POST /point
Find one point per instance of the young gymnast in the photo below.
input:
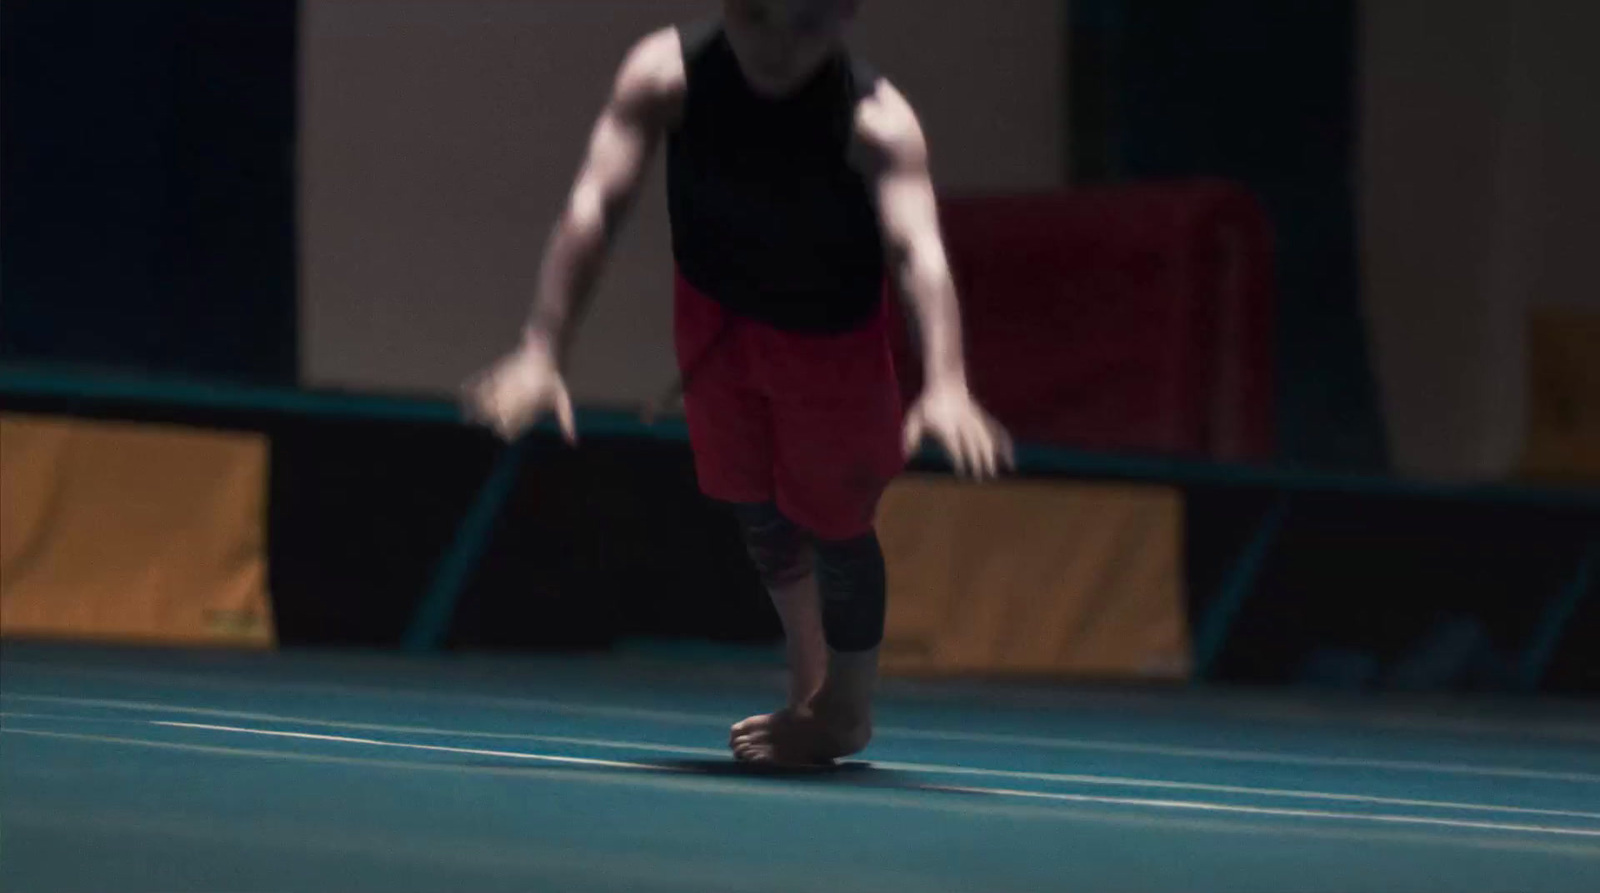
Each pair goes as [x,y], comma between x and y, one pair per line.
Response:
[798,190]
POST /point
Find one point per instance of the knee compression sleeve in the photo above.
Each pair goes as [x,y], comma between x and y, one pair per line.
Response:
[853,582]
[777,547]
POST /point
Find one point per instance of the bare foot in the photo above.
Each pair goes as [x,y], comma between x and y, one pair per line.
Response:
[836,723]
[798,737]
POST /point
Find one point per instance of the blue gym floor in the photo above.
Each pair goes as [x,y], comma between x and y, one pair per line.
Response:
[147,770]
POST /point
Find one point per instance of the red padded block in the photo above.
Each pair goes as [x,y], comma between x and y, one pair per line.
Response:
[1134,318]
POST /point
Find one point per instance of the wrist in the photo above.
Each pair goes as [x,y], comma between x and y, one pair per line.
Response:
[539,342]
[944,380]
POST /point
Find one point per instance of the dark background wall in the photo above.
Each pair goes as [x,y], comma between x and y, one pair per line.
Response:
[1263,94]
[147,182]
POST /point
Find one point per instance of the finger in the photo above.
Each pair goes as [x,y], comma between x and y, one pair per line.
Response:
[564,415]
[955,446]
[960,457]
[498,412]
[976,460]
[955,450]
[501,424]
[484,411]
[513,421]
[1008,448]
[973,451]
[984,442]
[510,418]
[914,432]
[994,439]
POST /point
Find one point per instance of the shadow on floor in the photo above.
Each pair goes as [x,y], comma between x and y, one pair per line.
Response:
[853,773]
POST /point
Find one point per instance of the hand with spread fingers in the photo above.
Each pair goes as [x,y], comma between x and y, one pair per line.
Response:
[977,445]
[512,395]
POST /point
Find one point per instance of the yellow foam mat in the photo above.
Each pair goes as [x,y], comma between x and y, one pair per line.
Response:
[117,531]
[1028,577]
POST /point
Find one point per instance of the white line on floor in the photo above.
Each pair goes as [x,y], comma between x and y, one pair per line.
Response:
[1271,810]
[923,768]
[1252,756]
[1219,703]
[1137,802]
[888,733]
[967,807]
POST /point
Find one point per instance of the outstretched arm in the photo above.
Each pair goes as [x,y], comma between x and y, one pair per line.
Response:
[642,104]
[515,392]
[896,150]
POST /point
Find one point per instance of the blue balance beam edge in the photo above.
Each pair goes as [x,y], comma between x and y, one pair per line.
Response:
[1032,459]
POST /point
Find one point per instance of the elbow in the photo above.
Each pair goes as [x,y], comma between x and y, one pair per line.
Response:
[585,212]
[586,222]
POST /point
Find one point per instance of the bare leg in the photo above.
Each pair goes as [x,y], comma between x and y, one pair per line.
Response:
[837,719]
[830,690]
[844,705]
[800,610]
[783,558]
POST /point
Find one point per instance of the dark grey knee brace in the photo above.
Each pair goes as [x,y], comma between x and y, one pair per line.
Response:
[780,551]
[854,584]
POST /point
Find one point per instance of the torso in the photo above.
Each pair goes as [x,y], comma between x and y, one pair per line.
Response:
[771,216]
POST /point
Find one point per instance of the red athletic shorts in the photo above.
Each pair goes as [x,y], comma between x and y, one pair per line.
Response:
[808,422]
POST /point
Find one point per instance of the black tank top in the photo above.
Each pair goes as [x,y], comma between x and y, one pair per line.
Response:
[769,218]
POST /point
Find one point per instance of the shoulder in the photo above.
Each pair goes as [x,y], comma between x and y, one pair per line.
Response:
[887,128]
[651,78]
